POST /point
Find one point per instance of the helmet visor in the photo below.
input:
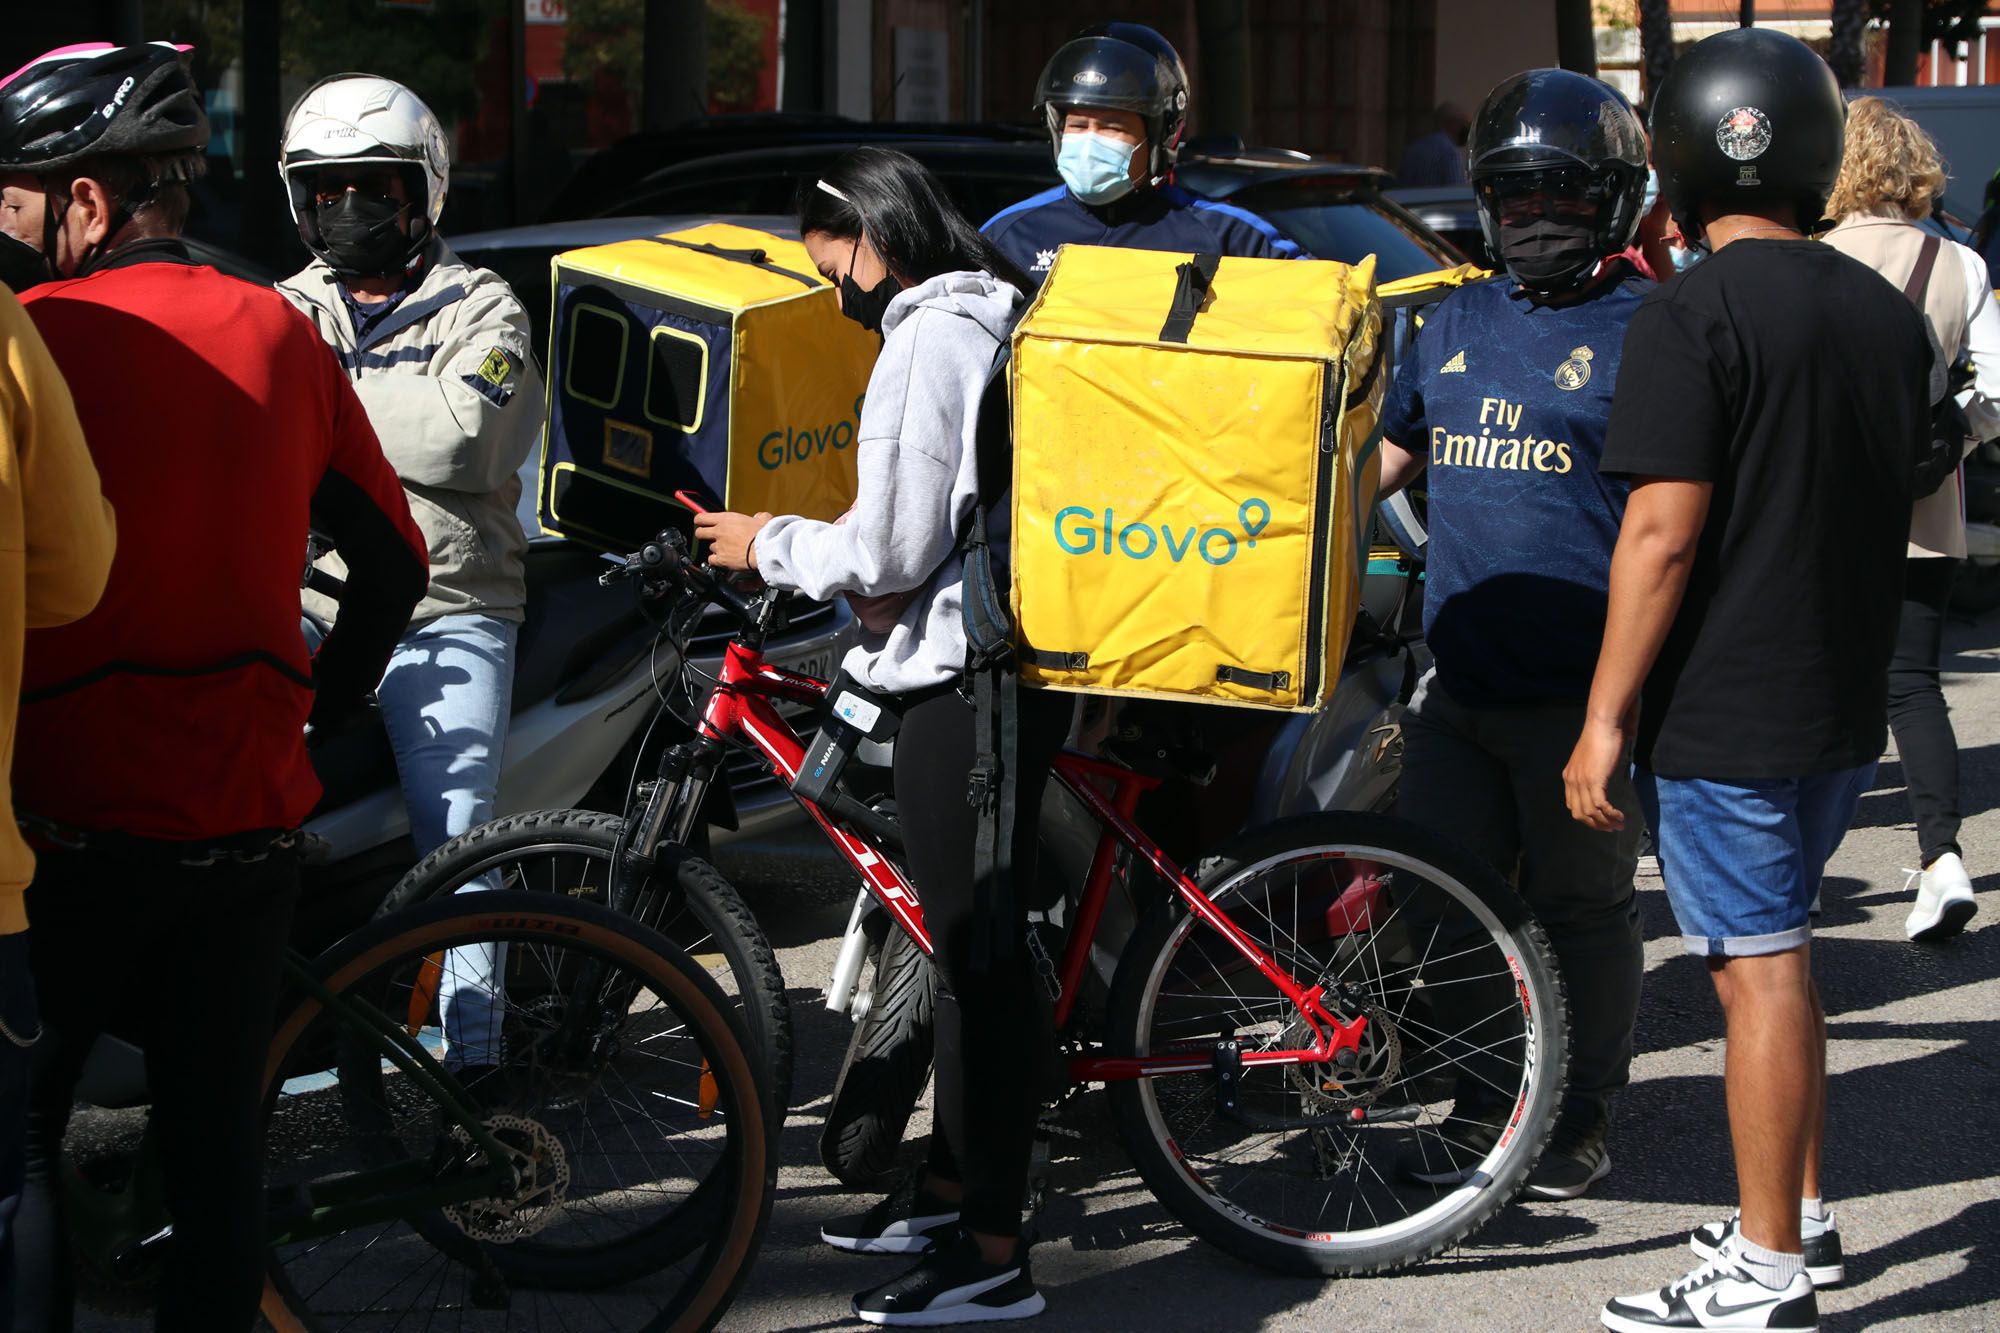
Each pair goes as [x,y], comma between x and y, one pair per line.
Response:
[1105,72]
[1520,197]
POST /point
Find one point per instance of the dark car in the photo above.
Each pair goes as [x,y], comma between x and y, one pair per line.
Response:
[1451,212]
[1335,211]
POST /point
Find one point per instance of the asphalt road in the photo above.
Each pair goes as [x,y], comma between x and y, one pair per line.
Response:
[1913,1154]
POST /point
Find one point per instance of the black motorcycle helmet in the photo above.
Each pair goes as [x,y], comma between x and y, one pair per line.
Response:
[1567,127]
[1119,67]
[1749,116]
[100,100]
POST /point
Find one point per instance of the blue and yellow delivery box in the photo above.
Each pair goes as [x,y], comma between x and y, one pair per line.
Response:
[713,360]
[1195,465]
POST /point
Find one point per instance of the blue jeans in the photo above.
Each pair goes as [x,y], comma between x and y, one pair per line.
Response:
[20,1029]
[1742,860]
[444,702]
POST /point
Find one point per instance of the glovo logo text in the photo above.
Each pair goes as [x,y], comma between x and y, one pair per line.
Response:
[1084,531]
[802,444]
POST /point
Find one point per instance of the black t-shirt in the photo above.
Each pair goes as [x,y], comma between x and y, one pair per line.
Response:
[1796,380]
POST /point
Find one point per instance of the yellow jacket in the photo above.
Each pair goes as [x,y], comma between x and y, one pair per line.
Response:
[56,540]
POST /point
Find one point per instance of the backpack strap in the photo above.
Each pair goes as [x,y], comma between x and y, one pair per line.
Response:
[994,783]
[1920,276]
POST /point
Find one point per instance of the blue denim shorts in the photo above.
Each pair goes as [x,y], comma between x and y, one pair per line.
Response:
[1742,860]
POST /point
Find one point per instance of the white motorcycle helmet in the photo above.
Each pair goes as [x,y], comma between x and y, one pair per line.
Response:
[360,119]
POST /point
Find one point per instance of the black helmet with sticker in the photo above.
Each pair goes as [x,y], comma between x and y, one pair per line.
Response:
[1748,117]
[1119,67]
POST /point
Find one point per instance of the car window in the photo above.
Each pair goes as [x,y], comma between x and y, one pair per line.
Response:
[1338,225]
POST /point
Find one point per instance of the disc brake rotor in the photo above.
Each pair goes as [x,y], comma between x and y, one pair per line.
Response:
[541,1168]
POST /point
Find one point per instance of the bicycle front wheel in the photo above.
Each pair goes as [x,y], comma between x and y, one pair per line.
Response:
[686,899]
[1317,1169]
[638,1135]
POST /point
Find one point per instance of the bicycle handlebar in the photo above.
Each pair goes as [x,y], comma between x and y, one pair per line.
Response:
[665,561]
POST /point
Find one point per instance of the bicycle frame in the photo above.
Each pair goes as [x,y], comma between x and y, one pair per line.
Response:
[742,706]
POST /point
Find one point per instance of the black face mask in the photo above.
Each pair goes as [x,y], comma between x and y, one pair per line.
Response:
[21,265]
[1549,254]
[866,306]
[361,235]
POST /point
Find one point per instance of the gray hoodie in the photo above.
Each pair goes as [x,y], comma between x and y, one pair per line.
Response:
[918,479]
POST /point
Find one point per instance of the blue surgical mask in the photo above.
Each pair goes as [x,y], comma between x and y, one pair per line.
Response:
[1685,257]
[1097,169]
[1652,192]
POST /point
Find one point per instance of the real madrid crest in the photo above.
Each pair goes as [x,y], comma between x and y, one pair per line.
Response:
[1574,373]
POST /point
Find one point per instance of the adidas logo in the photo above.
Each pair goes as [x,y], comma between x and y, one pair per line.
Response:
[1455,366]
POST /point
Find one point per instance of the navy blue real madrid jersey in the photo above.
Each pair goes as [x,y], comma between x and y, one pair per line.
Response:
[1508,400]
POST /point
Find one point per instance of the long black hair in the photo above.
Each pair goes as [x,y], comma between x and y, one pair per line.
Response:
[907,216]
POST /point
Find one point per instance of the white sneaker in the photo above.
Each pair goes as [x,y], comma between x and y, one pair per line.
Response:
[1944,900]
[1721,1294]
[1825,1264]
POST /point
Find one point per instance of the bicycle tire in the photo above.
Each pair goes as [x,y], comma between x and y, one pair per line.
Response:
[727,1229]
[1415,873]
[716,910]
[885,1070]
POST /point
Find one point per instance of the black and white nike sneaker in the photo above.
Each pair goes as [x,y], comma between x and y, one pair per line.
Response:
[953,1285]
[907,1222]
[1825,1264]
[1721,1294]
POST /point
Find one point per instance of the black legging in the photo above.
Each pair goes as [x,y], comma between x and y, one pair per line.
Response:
[1917,711]
[987,1039]
[187,962]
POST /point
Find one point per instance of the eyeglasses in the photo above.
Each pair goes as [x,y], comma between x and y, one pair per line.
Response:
[329,186]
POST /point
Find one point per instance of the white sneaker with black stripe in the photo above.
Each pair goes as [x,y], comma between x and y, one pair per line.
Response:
[953,1285]
[1721,1294]
[907,1222]
[1825,1264]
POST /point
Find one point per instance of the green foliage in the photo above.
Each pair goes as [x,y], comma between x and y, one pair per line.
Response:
[607,37]
[434,50]
[735,55]
[213,27]
[1944,20]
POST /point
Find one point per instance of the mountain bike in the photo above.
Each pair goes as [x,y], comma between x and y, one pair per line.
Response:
[1330,1008]
[613,1170]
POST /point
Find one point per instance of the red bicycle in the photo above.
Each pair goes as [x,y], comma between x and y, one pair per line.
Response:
[1338,1047]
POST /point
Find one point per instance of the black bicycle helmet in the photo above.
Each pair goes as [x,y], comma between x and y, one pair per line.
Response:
[1556,120]
[1119,67]
[99,100]
[1749,116]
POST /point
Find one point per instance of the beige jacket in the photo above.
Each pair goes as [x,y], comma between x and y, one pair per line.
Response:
[453,394]
[1959,303]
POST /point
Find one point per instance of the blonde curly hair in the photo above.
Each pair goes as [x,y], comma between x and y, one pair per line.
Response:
[1888,160]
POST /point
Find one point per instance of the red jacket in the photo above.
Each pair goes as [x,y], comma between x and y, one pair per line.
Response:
[221,425]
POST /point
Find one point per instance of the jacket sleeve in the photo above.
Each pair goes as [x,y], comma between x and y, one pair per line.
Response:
[69,534]
[1981,401]
[359,504]
[901,528]
[467,422]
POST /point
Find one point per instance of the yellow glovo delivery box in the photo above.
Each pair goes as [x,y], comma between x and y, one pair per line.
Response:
[713,360]
[1195,462]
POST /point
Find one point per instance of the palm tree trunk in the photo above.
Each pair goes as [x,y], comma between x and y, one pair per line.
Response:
[1656,42]
[1906,36]
[1850,18]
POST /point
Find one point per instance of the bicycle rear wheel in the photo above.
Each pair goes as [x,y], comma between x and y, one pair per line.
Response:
[1461,1062]
[639,1134]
